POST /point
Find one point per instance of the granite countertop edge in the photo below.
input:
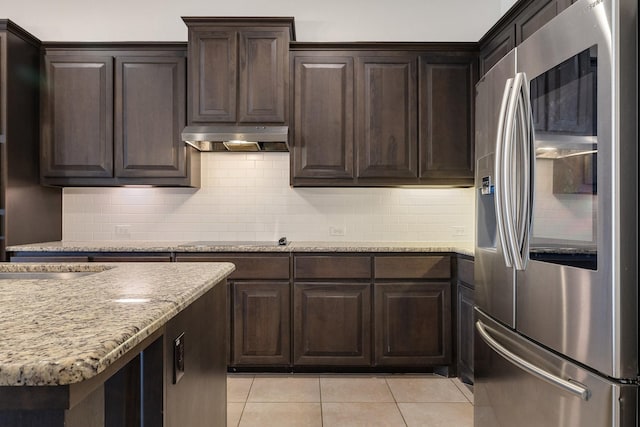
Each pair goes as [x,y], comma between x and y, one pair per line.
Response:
[463,248]
[35,367]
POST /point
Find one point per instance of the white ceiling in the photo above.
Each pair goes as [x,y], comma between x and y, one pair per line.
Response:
[316,20]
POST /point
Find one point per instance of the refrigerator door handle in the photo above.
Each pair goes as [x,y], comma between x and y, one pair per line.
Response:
[570,386]
[523,188]
[509,172]
[500,183]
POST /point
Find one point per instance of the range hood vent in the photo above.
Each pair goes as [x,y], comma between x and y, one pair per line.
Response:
[237,138]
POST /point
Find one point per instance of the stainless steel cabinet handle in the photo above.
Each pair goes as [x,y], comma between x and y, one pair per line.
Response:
[572,387]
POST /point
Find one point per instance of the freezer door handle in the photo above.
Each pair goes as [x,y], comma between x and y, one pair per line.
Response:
[571,386]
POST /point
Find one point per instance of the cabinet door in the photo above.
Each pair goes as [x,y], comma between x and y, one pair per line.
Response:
[387,114]
[465,333]
[538,13]
[332,323]
[323,128]
[446,119]
[261,329]
[213,59]
[412,324]
[497,47]
[150,115]
[77,124]
[263,89]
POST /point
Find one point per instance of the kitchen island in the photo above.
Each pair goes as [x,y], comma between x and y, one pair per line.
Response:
[112,344]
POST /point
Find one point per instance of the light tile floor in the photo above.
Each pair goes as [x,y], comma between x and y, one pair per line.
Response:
[347,400]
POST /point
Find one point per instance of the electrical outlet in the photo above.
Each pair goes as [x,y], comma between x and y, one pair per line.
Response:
[123,231]
[458,231]
[337,231]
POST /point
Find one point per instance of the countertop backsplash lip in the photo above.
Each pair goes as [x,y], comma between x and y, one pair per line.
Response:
[462,248]
[37,313]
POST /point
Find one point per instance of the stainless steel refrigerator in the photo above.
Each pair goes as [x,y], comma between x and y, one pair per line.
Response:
[556,317]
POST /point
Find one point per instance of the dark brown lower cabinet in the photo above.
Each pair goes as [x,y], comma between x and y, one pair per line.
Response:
[412,324]
[261,322]
[332,323]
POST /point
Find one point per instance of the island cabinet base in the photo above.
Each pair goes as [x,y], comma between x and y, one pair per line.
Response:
[146,383]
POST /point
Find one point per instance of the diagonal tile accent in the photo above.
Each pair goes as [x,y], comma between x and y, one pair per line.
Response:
[238,388]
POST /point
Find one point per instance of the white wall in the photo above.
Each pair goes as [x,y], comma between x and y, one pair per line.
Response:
[327,20]
[247,197]
[505,5]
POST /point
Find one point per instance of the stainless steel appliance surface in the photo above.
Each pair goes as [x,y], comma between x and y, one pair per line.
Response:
[557,236]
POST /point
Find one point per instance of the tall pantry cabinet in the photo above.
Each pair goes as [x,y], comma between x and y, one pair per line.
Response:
[29,213]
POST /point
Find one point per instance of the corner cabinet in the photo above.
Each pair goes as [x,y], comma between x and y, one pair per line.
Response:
[239,70]
[112,115]
[382,114]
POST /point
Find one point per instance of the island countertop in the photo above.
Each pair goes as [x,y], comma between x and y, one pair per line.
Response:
[63,331]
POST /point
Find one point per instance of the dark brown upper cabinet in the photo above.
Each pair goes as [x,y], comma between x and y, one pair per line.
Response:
[382,114]
[323,118]
[112,115]
[446,118]
[238,69]
[387,115]
[77,122]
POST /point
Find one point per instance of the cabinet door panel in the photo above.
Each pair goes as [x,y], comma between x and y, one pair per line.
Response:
[535,16]
[213,69]
[497,48]
[150,115]
[446,112]
[323,117]
[412,324]
[77,128]
[387,117]
[260,323]
[263,64]
[332,324]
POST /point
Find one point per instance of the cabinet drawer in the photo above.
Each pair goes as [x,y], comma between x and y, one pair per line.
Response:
[412,267]
[332,267]
[465,271]
[52,258]
[247,267]
[132,258]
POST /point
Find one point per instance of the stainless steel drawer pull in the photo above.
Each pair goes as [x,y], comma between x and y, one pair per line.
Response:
[567,385]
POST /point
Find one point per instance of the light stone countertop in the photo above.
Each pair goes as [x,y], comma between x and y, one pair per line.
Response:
[63,331]
[463,248]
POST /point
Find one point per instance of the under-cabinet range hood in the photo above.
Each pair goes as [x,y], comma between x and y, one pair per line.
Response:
[237,138]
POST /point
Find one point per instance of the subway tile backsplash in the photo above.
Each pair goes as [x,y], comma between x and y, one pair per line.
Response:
[248,197]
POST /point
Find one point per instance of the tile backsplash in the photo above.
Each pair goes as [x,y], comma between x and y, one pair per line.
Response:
[248,197]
